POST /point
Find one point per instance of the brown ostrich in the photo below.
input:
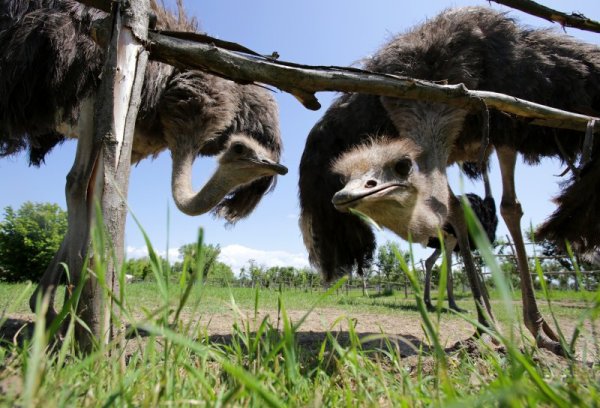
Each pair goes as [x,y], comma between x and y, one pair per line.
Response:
[482,49]
[485,211]
[49,70]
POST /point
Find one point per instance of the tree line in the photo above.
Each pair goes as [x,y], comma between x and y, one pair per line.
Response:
[31,235]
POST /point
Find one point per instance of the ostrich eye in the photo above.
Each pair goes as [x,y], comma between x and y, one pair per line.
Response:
[238,148]
[403,167]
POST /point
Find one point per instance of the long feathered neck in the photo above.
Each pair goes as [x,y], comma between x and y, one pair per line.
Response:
[211,194]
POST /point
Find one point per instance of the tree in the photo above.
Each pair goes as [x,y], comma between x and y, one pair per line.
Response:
[29,238]
[388,263]
[213,270]
[243,278]
[256,272]
[221,274]
[140,268]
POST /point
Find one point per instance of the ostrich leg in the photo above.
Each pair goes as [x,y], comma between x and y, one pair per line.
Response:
[49,282]
[428,267]
[458,222]
[449,245]
[79,206]
[511,211]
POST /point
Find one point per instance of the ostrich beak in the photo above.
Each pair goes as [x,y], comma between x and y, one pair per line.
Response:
[357,190]
[270,165]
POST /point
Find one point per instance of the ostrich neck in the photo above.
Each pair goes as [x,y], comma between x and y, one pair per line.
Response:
[188,201]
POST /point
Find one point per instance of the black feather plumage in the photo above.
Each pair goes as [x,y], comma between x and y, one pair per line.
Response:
[49,64]
[483,49]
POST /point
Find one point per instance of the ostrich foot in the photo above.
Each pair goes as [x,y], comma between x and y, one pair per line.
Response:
[545,337]
[430,307]
[480,336]
[472,343]
[454,306]
[485,338]
[554,346]
[51,313]
[549,332]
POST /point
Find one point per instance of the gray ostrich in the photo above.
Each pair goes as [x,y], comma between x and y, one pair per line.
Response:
[49,71]
[387,165]
[482,49]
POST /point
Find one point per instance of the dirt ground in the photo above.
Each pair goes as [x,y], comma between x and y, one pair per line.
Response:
[404,332]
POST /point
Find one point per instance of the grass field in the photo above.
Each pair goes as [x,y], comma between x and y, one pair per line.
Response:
[246,347]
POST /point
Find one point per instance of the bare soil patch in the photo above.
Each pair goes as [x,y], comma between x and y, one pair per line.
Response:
[375,330]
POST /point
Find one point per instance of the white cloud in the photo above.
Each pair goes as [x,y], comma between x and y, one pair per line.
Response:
[238,256]
[134,252]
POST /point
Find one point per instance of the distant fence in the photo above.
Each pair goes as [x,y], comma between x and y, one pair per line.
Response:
[560,280]
[588,280]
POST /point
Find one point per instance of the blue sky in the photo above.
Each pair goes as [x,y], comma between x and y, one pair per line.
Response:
[333,32]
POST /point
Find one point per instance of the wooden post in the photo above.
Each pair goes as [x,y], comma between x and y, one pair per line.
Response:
[116,107]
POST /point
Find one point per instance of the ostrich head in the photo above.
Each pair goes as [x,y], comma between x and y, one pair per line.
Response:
[247,160]
[204,115]
[242,162]
[383,181]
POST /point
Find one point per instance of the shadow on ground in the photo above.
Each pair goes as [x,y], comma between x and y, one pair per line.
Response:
[312,341]
[17,331]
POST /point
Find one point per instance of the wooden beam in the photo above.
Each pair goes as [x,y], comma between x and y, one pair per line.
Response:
[303,81]
[238,63]
[575,20]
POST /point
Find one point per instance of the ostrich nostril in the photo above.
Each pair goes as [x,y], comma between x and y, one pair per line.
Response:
[370,184]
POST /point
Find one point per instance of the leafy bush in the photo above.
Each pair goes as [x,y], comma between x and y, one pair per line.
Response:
[29,238]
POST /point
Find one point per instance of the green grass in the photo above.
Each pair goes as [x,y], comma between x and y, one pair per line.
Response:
[172,360]
[142,296]
[260,365]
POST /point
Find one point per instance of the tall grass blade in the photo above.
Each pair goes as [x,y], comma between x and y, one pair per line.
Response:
[14,302]
[443,278]
[34,373]
[484,246]
[325,295]
[202,265]
[154,262]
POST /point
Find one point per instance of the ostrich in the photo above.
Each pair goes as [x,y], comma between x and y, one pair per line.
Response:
[388,166]
[49,70]
[485,211]
[483,49]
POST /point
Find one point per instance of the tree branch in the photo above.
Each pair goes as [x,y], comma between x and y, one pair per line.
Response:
[575,20]
[238,63]
[303,81]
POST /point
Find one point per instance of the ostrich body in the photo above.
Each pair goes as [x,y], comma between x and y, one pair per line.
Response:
[485,211]
[189,112]
[485,50]
[49,72]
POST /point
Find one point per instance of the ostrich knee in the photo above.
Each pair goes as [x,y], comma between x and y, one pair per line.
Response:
[511,212]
